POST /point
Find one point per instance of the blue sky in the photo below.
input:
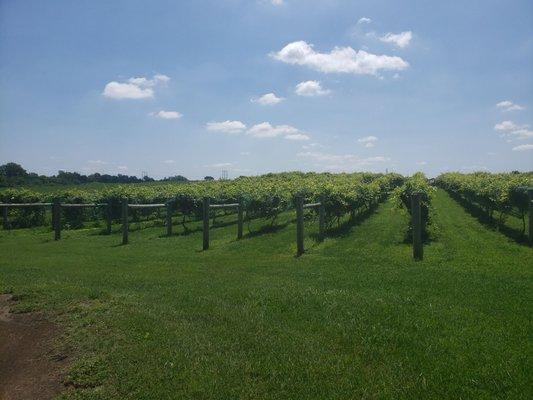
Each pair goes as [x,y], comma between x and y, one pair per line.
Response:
[256,86]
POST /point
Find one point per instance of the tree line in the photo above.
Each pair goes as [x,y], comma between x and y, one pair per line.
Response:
[13,174]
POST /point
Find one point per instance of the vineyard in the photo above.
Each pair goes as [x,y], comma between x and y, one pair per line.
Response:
[397,276]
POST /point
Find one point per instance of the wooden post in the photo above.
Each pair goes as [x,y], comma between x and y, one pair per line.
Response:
[239,219]
[530,210]
[206,223]
[299,225]
[108,217]
[416,221]
[125,221]
[169,218]
[321,218]
[56,218]
[5,218]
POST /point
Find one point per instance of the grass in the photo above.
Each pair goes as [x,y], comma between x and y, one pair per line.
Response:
[355,317]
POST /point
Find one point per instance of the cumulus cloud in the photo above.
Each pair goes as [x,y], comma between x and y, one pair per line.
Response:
[523,147]
[509,106]
[134,88]
[401,39]
[167,114]
[364,20]
[268,99]
[513,131]
[310,89]
[277,2]
[339,60]
[169,162]
[122,168]
[297,136]
[368,141]
[231,127]
[266,130]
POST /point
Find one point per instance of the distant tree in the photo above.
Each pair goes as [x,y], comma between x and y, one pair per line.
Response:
[177,178]
[209,178]
[12,174]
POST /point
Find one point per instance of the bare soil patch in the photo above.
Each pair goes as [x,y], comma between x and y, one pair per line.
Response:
[29,368]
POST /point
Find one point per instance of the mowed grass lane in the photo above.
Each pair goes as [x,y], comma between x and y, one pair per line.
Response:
[354,317]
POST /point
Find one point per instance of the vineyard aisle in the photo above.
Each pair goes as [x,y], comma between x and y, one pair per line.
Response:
[354,317]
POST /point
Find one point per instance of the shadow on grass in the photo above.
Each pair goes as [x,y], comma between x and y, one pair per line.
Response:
[345,228]
[477,212]
[265,229]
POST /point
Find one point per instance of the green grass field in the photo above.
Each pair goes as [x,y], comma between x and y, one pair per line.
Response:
[353,318]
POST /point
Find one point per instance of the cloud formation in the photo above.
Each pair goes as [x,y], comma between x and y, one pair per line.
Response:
[310,89]
[231,127]
[511,130]
[167,114]
[364,20]
[508,105]
[266,130]
[523,147]
[368,141]
[268,99]
[339,60]
[401,39]
[134,88]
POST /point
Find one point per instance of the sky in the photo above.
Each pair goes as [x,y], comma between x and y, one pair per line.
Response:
[257,86]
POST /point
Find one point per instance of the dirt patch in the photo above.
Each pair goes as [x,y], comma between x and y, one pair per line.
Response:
[29,369]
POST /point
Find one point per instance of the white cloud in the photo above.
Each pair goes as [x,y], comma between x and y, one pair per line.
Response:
[310,89]
[513,131]
[268,99]
[277,2]
[169,162]
[297,136]
[509,106]
[266,130]
[167,114]
[231,127]
[116,90]
[122,168]
[97,162]
[401,39]
[134,88]
[245,153]
[339,60]
[523,147]
[368,141]
[364,20]
[422,163]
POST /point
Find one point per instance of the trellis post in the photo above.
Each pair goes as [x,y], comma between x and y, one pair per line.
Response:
[239,219]
[206,223]
[169,218]
[299,225]
[108,215]
[416,222]
[5,219]
[321,219]
[530,212]
[56,218]
[124,221]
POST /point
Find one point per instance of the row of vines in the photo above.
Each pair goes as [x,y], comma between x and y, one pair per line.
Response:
[498,195]
[264,196]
